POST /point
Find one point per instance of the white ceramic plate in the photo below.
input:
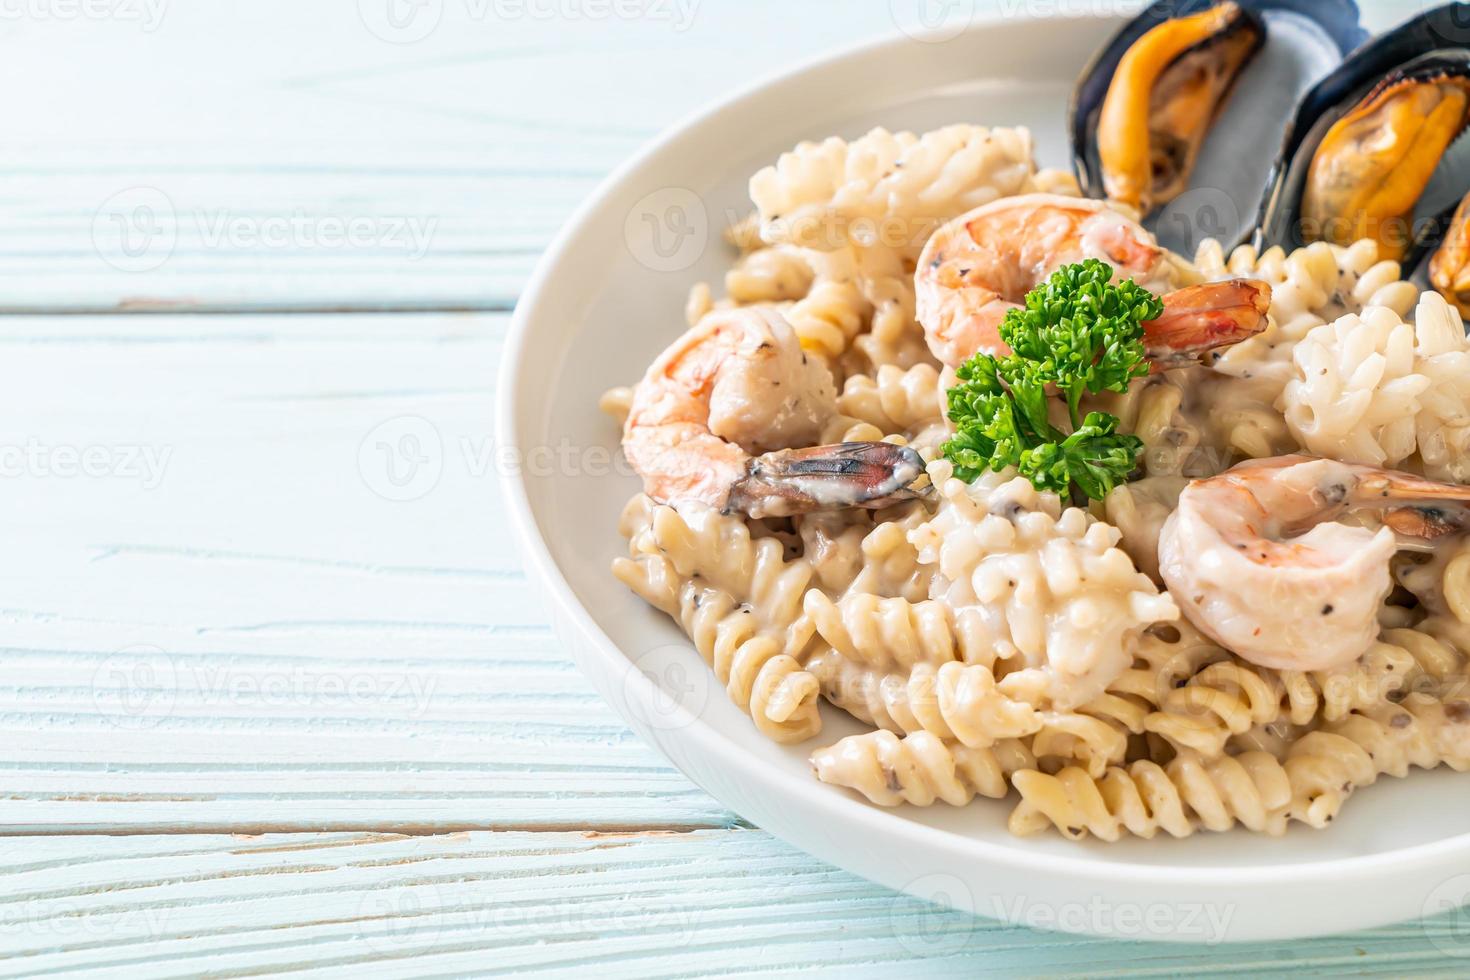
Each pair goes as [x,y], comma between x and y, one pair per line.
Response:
[605,300]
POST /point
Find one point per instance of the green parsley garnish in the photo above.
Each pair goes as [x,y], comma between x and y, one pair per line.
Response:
[1080,334]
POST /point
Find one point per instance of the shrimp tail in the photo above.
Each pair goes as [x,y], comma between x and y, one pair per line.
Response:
[1396,485]
[849,474]
[1202,318]
[1435,509]
[1425,523]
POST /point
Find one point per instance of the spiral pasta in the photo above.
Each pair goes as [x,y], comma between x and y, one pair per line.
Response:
[1377,389]
[866,558]
[963,702]
[699,543]
[1230,697]
[906,667]
[1454,584]
[1251,789]
[771,275]
[738,599]
[1310,287]
[828,317]
[1440,646]
[888,633]
[954,701]
[894,337]
[1442,425]
[889,188]
[1326,767]
[1073,737]
[895,400]
[1138,510]
[1046,589]
[1152,410]
[1224,699]
[772,686]
[919,769]
[1356,393]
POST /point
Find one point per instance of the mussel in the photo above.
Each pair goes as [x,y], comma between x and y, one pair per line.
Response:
[1449,263]
[1372,140]
[1440,255]
[1167,90]
[1373,164]
[1186,94]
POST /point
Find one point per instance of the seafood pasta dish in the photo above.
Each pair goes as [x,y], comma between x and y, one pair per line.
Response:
[1145,536]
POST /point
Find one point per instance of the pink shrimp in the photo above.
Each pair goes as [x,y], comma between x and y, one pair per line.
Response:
[736,385]
[982,264]
[1260,559]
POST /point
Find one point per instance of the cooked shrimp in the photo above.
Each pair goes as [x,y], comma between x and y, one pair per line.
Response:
[1261,560]
[738,384]
[1202,318]
[982,264]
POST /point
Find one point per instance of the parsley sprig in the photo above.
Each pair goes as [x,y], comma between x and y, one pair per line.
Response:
[1078,334]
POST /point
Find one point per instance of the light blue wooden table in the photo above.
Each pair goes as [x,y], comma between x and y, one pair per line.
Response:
[269,705]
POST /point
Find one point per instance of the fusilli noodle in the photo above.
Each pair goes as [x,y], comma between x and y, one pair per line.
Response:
[888,188]
[952,700]
[1045,588]
[895,400]
[739,601]
[919,768]
[1144,798]
[1321,770]
[1310,286]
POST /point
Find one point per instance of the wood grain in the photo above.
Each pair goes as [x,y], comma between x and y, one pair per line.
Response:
[253,132]
[262,640]
[651,904]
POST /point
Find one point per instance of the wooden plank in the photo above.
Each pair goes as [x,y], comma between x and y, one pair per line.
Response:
[241,188]
[255,636]
[705,903]
[308,163]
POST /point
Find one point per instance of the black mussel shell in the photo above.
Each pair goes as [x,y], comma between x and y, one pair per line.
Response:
[1435,43]
[1304,40]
